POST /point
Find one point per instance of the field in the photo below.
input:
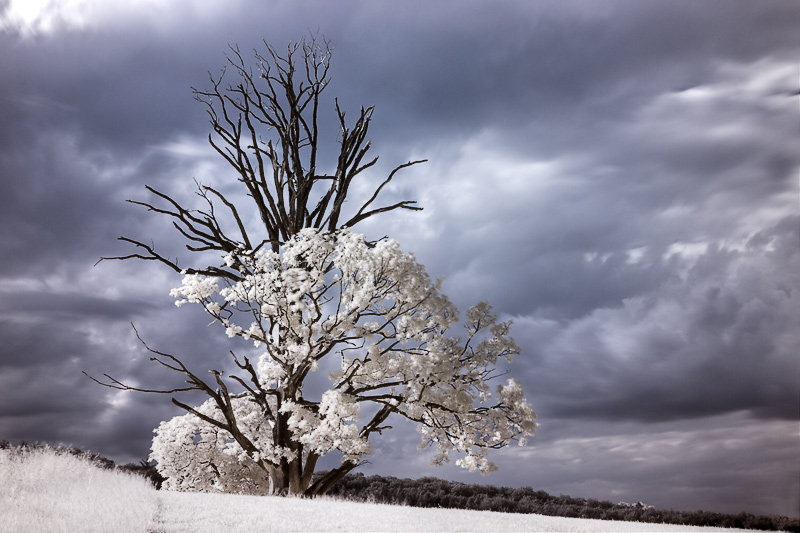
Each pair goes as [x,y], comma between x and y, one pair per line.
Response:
[45,492]
[207,513]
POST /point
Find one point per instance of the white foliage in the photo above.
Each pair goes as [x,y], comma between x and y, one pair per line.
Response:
[332,428]
[197,456]
[376,309]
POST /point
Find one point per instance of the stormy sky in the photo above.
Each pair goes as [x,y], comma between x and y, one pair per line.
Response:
[620,178]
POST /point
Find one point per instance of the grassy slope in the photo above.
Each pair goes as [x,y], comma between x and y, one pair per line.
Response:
[45,492]
[207,513]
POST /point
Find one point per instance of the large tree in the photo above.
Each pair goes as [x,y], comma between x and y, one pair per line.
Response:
[307,291]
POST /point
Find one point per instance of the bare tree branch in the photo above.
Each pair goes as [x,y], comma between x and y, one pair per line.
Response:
[266,127]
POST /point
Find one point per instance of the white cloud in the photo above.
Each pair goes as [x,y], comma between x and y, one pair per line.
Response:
[33,18]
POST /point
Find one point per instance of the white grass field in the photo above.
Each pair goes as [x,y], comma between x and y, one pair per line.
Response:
[44,492]
[48,493]
[210,513]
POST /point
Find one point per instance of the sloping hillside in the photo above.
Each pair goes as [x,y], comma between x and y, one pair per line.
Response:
[49,490]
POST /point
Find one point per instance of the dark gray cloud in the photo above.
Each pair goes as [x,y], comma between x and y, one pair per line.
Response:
[620,178]
[714,339]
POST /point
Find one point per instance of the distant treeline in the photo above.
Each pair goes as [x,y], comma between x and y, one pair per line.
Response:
[433,492]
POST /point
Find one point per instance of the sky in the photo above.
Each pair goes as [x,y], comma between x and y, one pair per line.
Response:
[619,178]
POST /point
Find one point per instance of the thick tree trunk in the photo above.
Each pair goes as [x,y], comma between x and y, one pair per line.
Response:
[292,479]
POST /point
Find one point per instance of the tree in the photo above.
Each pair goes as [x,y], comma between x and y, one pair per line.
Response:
[305,290]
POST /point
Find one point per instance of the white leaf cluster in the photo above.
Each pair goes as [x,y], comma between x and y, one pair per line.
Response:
[376,310]
[196,456]
[333,428]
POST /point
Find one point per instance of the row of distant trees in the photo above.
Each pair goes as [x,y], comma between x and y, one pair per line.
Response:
[433,492]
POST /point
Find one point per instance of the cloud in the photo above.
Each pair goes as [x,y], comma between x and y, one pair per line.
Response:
[675,169]
[714,340]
